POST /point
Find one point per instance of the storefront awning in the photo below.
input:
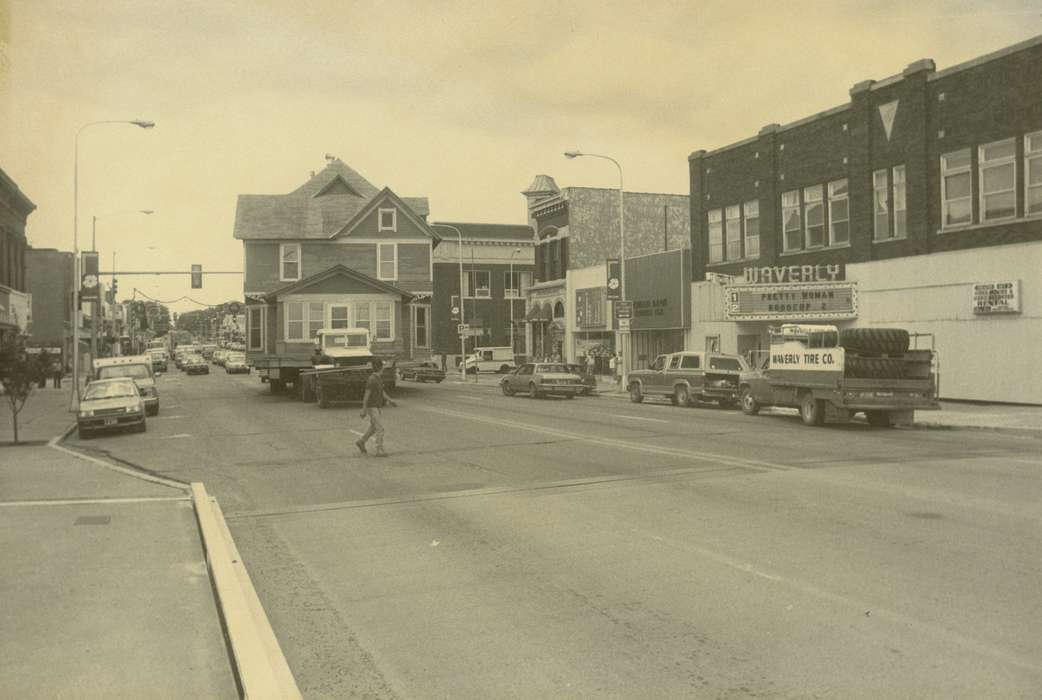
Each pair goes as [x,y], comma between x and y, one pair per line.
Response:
[539,313]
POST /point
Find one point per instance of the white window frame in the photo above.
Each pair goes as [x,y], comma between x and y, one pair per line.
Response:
[376,321]
[834,198]
[316,314]
[733,238]
[512,292]
[947,172]
[286,320]
[881,186]
[814,198]
[984,166]
[469,280]
[263,316]
[347,321]
[380,248]
[1032,156]
[793,205]
[715,222]
[358,321]
[751,241]
[393,226]
[424,340]
[283,247]
[899,204]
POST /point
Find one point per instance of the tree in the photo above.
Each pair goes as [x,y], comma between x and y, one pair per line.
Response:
[18,373]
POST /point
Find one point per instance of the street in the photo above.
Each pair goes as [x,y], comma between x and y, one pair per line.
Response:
[518,547]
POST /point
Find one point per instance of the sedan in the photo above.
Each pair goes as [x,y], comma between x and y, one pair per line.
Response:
[196,364]
[541,379]
[235,363]
[109,404]
[588,378]
[422,372]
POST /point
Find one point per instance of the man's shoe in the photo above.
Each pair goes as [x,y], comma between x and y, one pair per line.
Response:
[361,446]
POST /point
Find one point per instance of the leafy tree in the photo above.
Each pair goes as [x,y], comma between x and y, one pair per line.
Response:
[18,373]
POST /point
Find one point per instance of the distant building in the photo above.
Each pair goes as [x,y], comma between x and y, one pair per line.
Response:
[15,305]
[917,204]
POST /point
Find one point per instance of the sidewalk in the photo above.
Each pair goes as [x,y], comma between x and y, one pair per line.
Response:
[105,583]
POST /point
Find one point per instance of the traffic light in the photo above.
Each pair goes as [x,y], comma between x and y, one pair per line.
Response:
[455,307]
[115,288]
[197,276]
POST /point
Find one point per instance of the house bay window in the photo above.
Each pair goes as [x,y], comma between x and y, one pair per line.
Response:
[814,214]
[316,318]
[362,317]
[382,320]
[792,221]
[839,213]
[340,316]
[956,192]
[294,320]
[289,262]
[751,213]
[998,180]
[1033,173]
[304,320]
[716,236]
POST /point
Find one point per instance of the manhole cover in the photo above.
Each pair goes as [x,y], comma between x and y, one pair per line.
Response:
[93,520]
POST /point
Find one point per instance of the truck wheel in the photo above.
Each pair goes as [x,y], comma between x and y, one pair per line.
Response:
[503,369]
[881,341]
[681,397]
[507,391]
[636,395]
[812,410]
[875,367]
[750,406]
[878,419]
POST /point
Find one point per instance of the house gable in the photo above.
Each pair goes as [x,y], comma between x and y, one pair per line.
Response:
[366,224]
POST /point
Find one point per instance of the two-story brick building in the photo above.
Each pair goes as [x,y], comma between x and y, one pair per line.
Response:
[917,204]
[497,262]
[336,253]
[15,309]
[577,231]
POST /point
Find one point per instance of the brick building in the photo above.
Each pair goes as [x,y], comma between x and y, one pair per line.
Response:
[336,253]
[577,231]
[491,253]
[910,205]
[15,309]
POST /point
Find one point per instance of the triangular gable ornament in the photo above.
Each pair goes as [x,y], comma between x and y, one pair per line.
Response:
[887,113]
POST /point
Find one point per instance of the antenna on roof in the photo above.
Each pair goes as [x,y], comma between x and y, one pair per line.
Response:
[330,158]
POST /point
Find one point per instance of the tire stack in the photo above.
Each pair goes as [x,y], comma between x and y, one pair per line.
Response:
[875,353]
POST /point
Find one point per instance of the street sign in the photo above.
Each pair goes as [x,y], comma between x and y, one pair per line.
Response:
[89,288]
[624,324]
[623,309]
[462,328]
[614,278]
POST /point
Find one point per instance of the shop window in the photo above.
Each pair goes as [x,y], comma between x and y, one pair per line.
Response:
[733,233]
[839,213]
[792,221]
[998,180]
[387,261]
[289,262]
[1033,173]
[751,211]
[956,193]
[881,205]
[476,284]
[716,236]
[814,214]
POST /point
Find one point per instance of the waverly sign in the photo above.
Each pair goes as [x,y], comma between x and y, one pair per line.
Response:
[794,274]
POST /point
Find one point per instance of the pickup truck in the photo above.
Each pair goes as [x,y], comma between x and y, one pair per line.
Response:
[830,376]
[687,377]
[338,370]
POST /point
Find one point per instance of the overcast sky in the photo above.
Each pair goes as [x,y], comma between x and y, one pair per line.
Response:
[462,102]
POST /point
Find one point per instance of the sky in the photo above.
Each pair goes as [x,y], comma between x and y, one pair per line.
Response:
[461,102]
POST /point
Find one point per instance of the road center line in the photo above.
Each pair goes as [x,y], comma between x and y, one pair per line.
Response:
[650,420]
[174,437]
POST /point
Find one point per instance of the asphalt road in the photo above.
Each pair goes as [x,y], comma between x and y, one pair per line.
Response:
[514,547]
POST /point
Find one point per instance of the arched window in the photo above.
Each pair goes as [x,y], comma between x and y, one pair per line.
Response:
[558,310]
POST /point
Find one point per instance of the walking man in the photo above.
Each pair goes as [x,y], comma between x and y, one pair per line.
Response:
[372,404]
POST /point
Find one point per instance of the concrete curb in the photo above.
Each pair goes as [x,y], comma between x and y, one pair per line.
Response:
[260,665]
[53,443]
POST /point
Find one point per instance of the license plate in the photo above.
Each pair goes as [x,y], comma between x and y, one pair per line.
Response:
[111,421]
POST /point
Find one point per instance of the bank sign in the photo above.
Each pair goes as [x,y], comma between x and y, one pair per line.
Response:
[659,285]
[826,300]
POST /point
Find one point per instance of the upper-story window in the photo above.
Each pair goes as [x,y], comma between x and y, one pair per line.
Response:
[900,201]
[889,204]
[388,220]
[839,212]
[289,262]
[814,214]
[880,205]
[387,261]
[476,283]
[998,180]
[515,283]
[716,236]
[956,189]
[1033,173]
[751,212]
[792,221]
[733,232]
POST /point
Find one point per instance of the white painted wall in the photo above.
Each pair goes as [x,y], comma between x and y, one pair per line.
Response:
[583,278]
[983,358]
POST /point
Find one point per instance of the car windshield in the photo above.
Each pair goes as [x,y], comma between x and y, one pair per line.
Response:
[551,368]
[132,371]
[109,390]
[236,357]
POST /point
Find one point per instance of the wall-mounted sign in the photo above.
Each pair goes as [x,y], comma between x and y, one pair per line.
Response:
[589,307]
[623,309]
[791,302]
[790,274]
[659,285]
[996,297]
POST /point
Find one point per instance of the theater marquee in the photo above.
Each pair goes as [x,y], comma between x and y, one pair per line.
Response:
[791,302]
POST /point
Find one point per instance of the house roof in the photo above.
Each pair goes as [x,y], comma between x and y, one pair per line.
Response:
[333,271]
[375,201]
[319,208]
[486,232]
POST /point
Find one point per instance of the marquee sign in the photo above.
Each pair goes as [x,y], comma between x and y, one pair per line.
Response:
[828,300]
[787,274]
[996,297]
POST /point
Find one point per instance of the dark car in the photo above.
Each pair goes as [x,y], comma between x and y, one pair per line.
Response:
[589,380]
[196,364]
[422,372]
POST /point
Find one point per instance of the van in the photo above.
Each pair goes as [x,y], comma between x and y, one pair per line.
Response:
[492,359]
[138,368]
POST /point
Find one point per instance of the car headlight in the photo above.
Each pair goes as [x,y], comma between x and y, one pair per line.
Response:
[129,409]
[86,413]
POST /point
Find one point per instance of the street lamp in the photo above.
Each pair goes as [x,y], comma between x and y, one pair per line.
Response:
[76,317]
[462,338]
[517,291]
[95,305]
[622,248]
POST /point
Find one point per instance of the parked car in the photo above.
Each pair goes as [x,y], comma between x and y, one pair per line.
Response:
[490,359]
[422,372]
[542,379]
[235,363]
[110,404]
[196,364]
[136,367]
[587,377]
[687,377]
[219,357]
